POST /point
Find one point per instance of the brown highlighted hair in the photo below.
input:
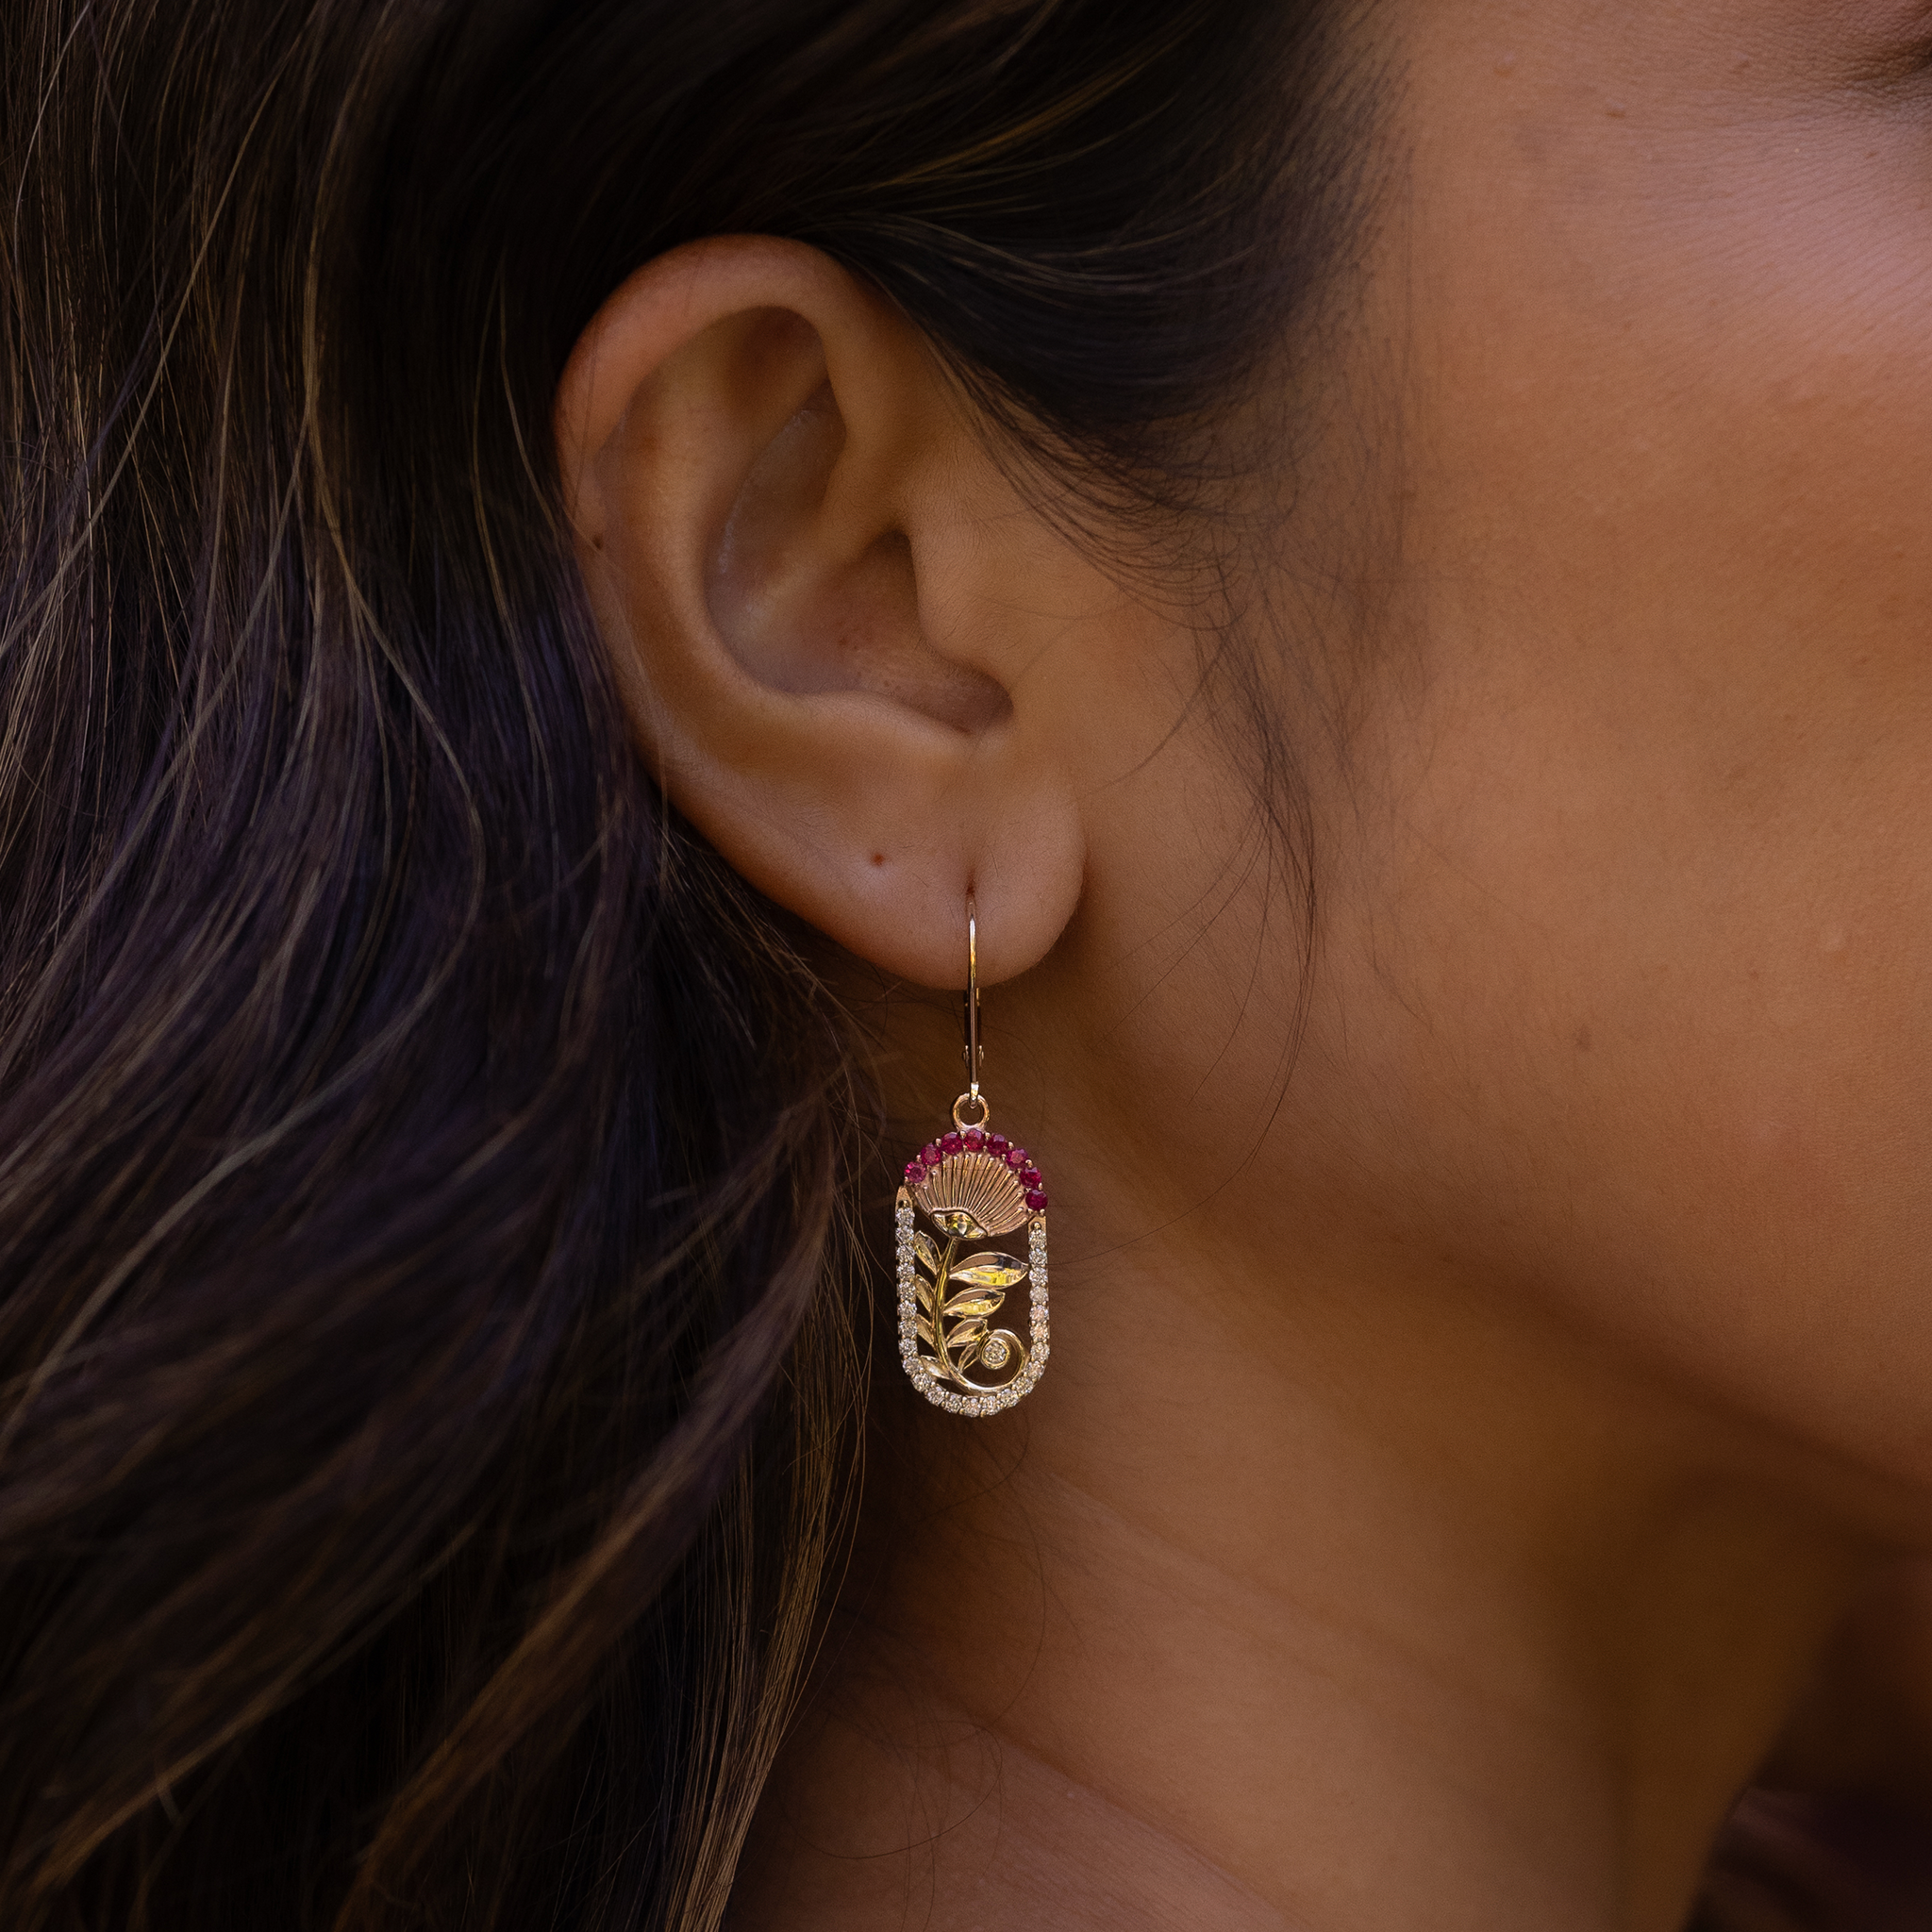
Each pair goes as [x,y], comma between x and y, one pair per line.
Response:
[429,1383]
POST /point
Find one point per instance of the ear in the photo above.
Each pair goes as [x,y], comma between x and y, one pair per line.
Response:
[813,583]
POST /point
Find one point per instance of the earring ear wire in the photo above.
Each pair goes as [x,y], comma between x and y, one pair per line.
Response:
[970,1185]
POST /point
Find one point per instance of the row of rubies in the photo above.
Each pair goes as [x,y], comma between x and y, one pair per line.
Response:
[976,1141]
[922,1377]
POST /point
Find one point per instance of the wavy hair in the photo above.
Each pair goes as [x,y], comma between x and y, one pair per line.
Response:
[431,1340]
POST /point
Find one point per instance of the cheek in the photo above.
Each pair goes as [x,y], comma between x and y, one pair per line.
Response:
[1639,953]
[1668,1081]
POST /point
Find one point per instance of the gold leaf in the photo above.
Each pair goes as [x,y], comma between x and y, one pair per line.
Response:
[967,1330]
[959,1223]
[969,1304]
[990,1270]
[923,1247]
[969,1354]
[926,1292]
[923,1328]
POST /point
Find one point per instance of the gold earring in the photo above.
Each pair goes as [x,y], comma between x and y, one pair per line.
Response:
[971,1185]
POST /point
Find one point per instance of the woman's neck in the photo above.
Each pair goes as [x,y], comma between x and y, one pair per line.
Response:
[1329,1599]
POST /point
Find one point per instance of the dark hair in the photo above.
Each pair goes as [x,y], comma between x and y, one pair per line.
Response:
[429,1328]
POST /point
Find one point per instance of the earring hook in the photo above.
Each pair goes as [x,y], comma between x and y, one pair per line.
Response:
[976,1052]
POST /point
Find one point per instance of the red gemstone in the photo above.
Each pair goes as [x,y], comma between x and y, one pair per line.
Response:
[973,1139]
[1016,1156]
[1029,1176]
[951,1144]
[915,1174]
[1035,1199]
[997,1143]
[929,1154]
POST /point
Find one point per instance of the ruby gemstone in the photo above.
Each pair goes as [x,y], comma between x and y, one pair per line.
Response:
[1035,1199]
[973,1139]
[951,1144]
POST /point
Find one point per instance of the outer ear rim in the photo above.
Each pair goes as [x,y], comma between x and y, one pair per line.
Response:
[691,287]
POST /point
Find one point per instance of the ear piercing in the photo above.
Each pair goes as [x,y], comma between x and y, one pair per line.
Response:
[970,1185]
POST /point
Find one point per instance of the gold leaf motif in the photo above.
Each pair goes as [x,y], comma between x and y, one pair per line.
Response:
[970,1304]
[990,1270]
[952,1283]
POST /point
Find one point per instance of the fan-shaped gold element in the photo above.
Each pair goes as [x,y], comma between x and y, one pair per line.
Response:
[973,1195]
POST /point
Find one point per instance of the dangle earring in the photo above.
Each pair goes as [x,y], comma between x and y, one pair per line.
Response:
[970,1185]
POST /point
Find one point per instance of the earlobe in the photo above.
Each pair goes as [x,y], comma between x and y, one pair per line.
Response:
[793,544]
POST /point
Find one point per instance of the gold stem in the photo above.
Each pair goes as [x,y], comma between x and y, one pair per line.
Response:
[939,1302]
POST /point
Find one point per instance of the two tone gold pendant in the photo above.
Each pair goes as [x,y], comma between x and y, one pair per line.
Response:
[965,1189]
